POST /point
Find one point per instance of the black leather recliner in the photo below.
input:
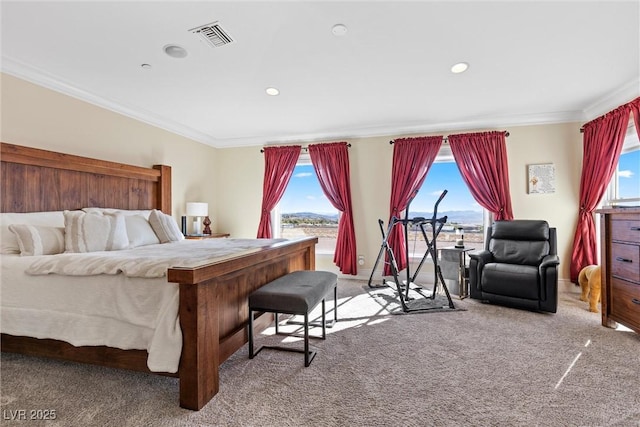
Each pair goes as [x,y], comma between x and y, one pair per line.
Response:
[518,267]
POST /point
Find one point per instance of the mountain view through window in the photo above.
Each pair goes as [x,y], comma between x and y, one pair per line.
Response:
[305,210]
[458,206]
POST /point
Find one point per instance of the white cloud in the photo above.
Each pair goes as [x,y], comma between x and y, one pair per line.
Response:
[310,197]
[436,193]
[303,174]
[625,174]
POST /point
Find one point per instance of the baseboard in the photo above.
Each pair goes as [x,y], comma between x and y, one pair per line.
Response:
[567,286]
[363,274]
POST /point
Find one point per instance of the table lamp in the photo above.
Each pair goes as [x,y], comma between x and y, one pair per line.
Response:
[197,210]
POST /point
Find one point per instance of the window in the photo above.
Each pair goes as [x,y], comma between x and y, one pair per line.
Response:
[624,188]
[304,210]
[458,206]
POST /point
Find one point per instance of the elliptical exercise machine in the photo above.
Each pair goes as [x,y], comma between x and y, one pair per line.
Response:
[407,302]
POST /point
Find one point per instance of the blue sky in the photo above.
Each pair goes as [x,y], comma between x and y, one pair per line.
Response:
[305,195]
[629,175]
[444,176]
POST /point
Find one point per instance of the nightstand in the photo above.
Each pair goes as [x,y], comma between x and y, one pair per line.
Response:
[206,236]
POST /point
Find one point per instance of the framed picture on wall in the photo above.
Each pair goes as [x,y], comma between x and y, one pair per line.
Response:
[542,178]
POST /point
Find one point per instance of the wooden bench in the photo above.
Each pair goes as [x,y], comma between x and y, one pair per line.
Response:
[296,293]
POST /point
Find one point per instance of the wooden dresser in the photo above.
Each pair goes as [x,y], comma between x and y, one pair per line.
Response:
[620,245]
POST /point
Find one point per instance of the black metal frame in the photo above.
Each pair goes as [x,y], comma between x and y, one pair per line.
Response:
[403,289]
[309,355]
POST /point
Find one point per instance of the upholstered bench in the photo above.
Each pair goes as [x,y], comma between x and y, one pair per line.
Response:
[296,293]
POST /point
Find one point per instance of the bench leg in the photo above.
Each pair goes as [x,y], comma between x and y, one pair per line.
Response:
[335,304]
[330,323]
[251,334]
[309,355]
[324,321]
[307,362]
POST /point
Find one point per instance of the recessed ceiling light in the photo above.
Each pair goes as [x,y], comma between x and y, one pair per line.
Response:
[272,91]
[339,30]
[175,51]
[460,67]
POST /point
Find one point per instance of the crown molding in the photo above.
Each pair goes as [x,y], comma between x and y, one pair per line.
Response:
[495,122]
[613,100]
[42,78]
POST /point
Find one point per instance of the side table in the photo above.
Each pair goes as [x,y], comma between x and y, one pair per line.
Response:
[453,264]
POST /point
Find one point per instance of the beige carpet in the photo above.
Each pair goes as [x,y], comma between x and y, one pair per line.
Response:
[483,366]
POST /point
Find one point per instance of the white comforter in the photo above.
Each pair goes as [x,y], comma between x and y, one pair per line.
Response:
[114,307]
[147,261]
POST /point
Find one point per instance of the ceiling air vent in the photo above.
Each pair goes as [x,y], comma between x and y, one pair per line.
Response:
[213,34]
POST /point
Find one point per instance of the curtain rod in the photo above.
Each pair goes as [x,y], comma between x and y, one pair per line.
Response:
[302,148]
[446,140]
[620,108]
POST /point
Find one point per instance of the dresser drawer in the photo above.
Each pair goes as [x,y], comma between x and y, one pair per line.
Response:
[625,261]
[625,230]
[625,302]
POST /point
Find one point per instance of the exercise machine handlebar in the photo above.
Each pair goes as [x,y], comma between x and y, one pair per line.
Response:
[435,208]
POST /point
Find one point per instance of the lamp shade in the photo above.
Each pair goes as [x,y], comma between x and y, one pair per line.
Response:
[197,209]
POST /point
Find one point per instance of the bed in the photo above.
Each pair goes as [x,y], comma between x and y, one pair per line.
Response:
[212,296]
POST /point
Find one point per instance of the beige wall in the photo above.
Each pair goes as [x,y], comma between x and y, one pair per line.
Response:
[558,144]
[37,117]
[239,175]
[230,180]
[370,160]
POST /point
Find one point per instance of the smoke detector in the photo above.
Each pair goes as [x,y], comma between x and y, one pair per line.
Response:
[213,34]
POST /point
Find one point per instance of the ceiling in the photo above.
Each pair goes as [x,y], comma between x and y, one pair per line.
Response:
[530,62]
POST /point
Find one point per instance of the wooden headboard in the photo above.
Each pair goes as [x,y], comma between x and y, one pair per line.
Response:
[35,180]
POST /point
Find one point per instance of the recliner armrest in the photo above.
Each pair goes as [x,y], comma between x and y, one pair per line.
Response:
[477,261]
[549,283]
[549,260]
[481,257]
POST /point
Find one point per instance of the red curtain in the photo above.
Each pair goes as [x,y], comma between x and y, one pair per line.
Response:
[482,160]
[331,163]
[279,163]
[412,158]
[602,143]
[635,109]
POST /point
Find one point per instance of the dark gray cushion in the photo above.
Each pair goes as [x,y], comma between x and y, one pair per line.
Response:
[522,229]
[518,251]
[297,293]
[525,241]
[517,281]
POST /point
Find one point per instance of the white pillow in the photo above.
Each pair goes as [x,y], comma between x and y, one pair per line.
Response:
[139,231]
[126,212]
[92,232]
[38,240]
[8,240]
[165,226]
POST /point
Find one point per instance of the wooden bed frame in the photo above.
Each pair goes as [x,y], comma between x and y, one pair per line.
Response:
[213,298]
